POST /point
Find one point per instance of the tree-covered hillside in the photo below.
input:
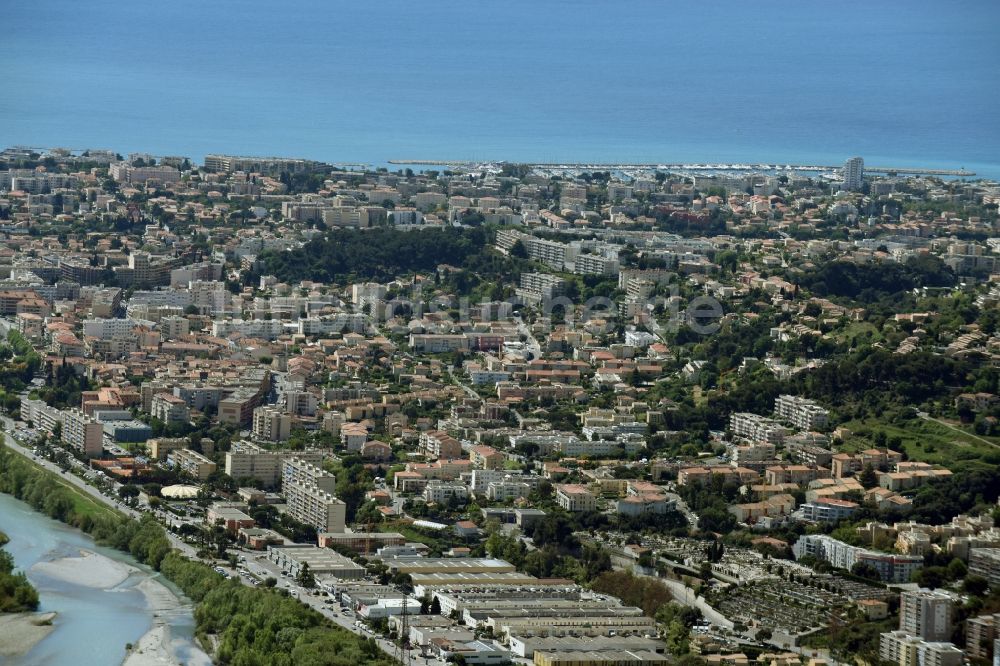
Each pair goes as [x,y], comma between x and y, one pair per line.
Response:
[375,254]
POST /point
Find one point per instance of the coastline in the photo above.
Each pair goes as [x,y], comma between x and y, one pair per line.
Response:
[20,632]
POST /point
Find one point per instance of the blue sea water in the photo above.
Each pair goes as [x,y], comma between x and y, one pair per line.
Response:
[911,82]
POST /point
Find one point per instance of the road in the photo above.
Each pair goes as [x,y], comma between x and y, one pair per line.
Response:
[468,389]
[682,506]
[186,549]
[534,349]
[927,417]
[255,571]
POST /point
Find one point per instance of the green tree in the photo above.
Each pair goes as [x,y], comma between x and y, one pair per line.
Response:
[306,578]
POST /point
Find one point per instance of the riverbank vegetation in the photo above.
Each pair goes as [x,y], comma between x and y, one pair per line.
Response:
[17,594]
[246,625]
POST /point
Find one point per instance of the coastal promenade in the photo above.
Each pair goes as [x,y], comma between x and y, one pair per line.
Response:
[691,166]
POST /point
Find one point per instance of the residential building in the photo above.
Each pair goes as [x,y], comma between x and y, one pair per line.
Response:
[595,264]
[297,470]
[985,562]
[575,498]
[313,506]
[828,510]
[439,444]
[83,432]
[898,647]
[39,414]
[802,413]
[892,568]
[444,492]
[194,464]
[539,287]
[271,424]
[772,507]
[703,475]
[980,633]
[246,460]
[926,614]
[161,446]
[486,457]
[853,173]
[757,428]
[798,474]
[169,409]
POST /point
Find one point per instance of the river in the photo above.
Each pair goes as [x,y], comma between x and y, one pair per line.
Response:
[94,623]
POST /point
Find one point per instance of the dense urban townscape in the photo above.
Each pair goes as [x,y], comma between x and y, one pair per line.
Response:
[562,415]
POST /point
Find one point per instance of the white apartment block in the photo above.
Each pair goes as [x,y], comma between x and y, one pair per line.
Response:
[602,447]
[575,498]
[553,254]
[174,327]
[270,424]
[853,173]
[891,567]
[354,322]
[757,428]
[200,397]
[480,376]
[538,286]
[595,264]
[480,479]
[246,460]
[301,403]
[169,408]
[442,492]
[802,413]
[177,298]
[123,172]
[266,329]
[194,464]
[40,414]
[506,491]
[985,562]
[297,470]
[640,339]
[83,432]
[206,270]
[406,217]
[367,292]
[318,508]
[926,614]
[898,647]
[211,297]
[108,328]
[546,442]
[250,461]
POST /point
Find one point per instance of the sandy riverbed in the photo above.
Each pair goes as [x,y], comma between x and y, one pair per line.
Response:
[19,632]
[89,569]
[157,647]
